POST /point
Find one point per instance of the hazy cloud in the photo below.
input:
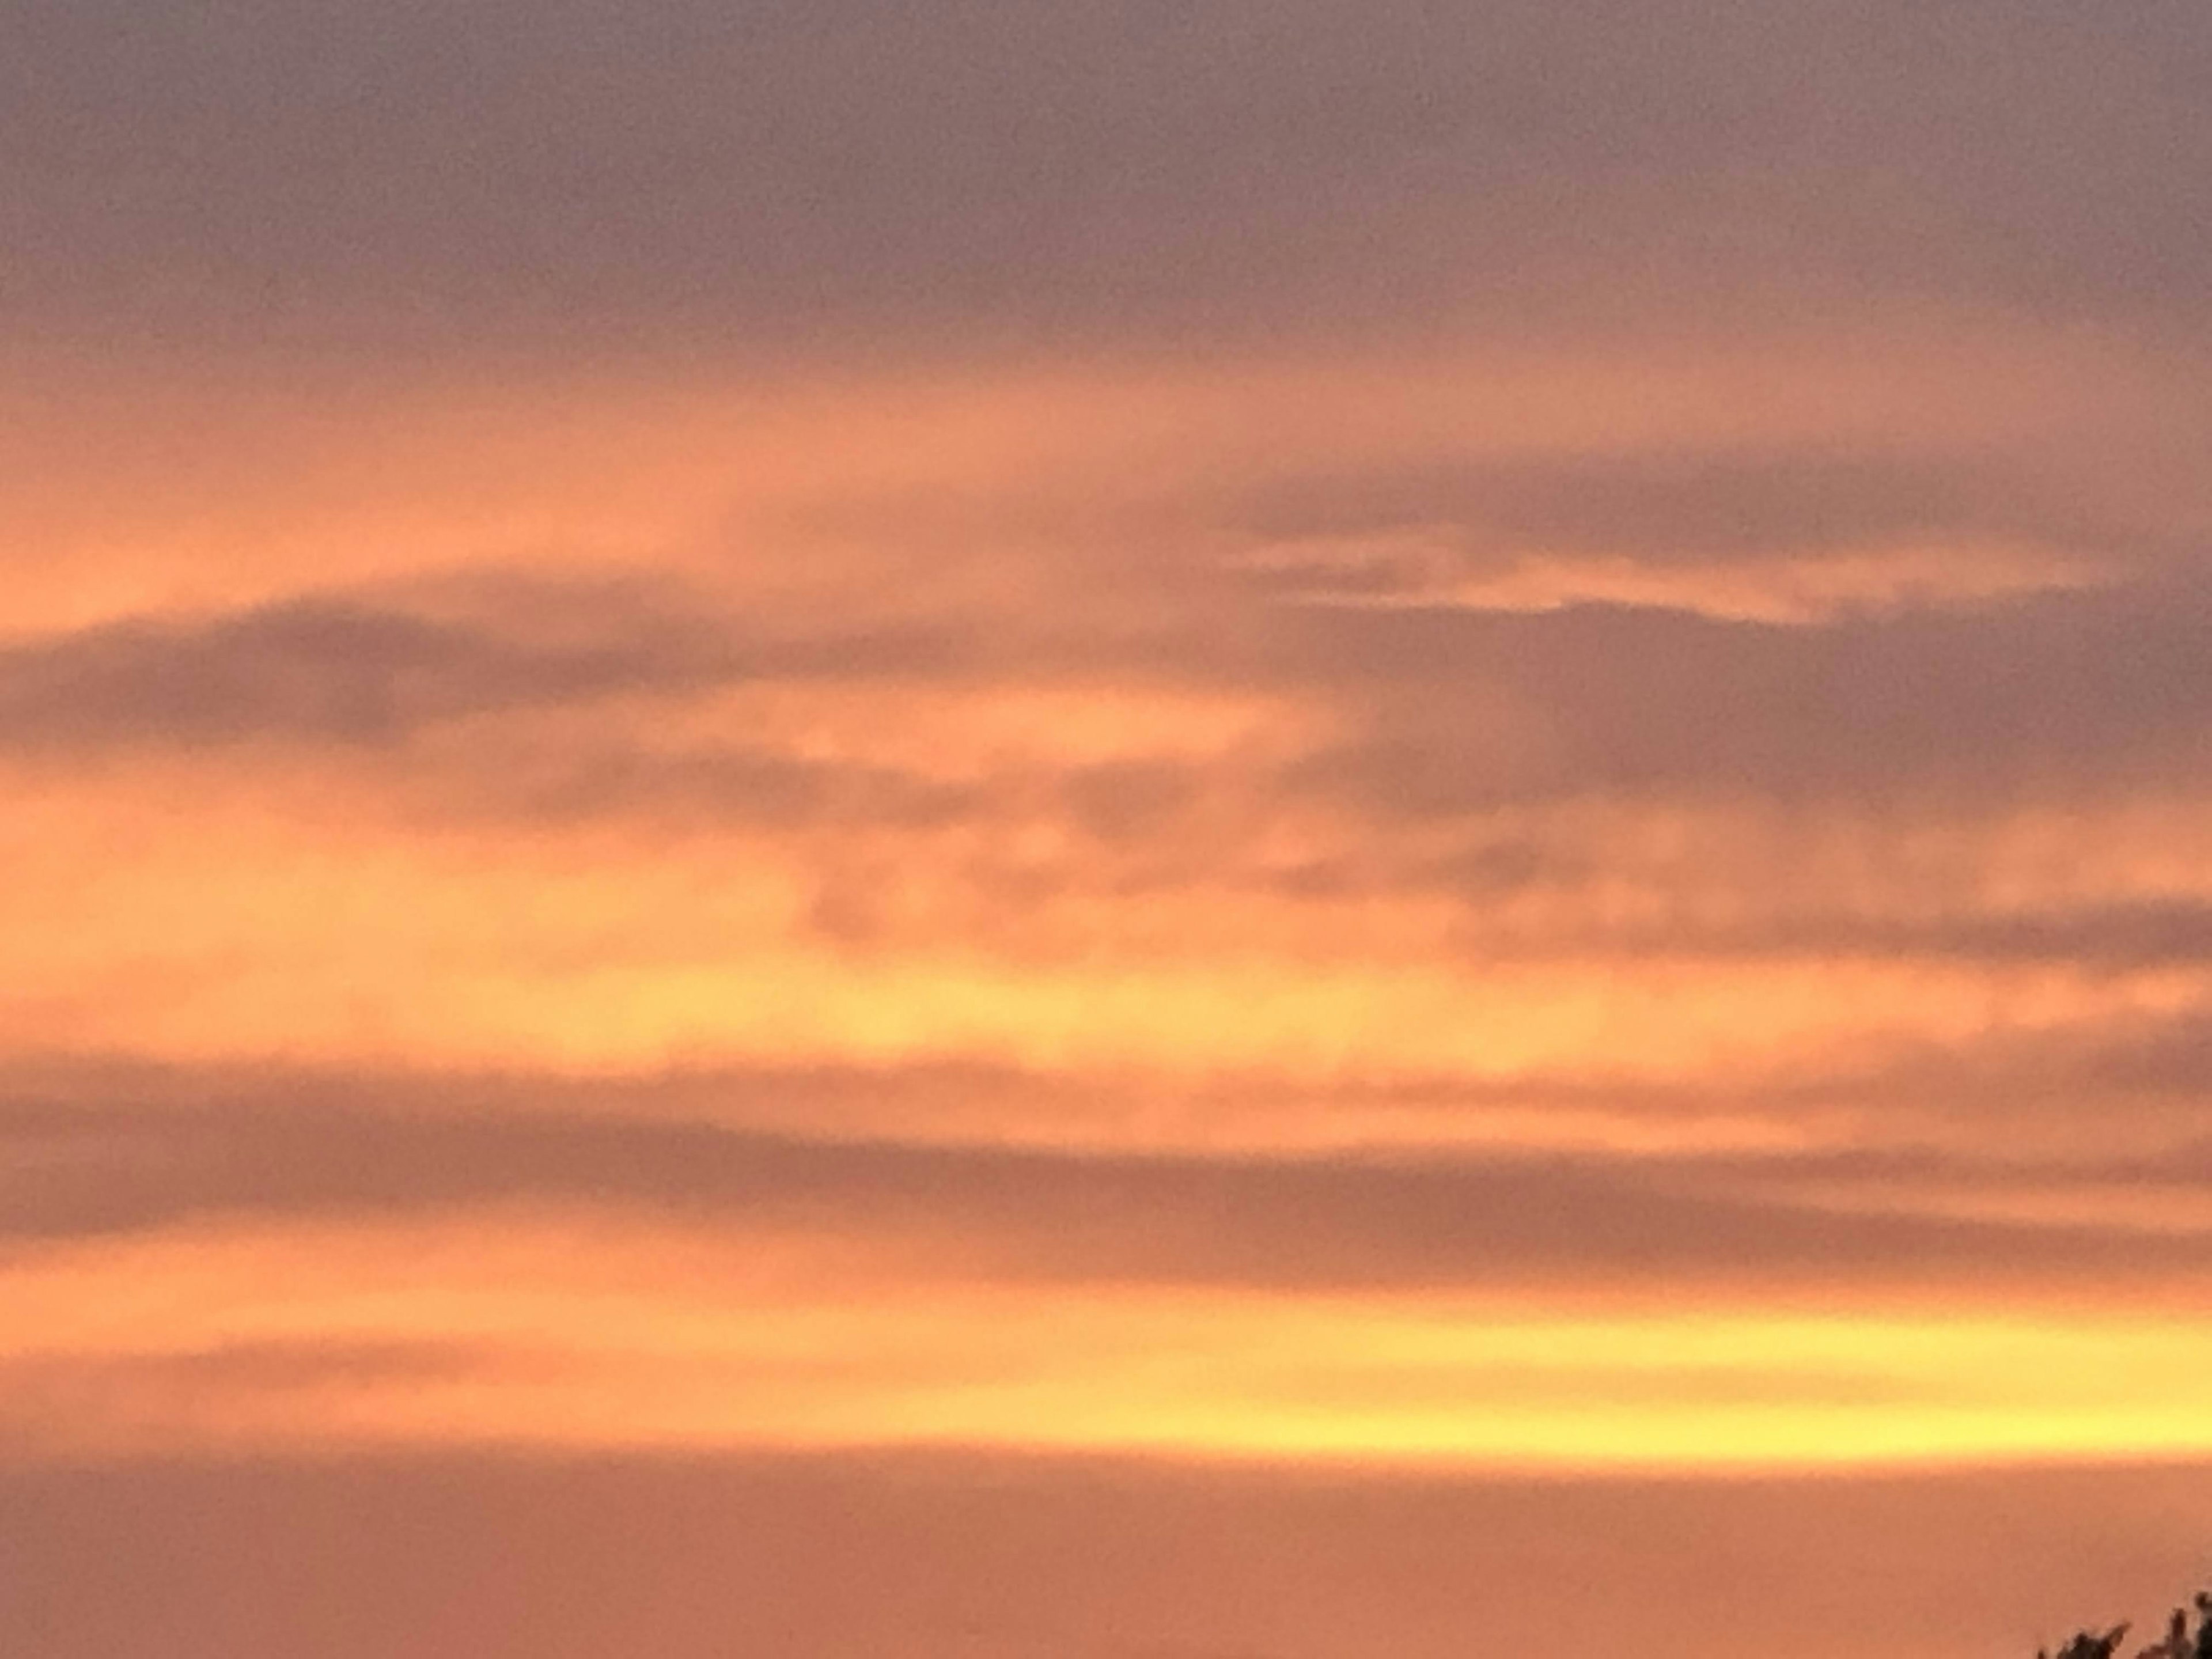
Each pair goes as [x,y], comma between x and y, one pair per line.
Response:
[1466,710]
[1086,168]
[1445,1219]
[1665,508]
[351,672]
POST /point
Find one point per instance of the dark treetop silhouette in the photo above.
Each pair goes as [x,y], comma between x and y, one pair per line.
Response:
[2177,1643]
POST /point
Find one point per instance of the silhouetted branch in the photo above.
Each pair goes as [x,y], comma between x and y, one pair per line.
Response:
[2178,1641]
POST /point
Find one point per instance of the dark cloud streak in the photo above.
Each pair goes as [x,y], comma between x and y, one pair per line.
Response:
[351,673]
[1443,1221]
[2010,699]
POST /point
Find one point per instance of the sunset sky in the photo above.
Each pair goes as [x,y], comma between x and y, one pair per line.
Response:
[1094,829]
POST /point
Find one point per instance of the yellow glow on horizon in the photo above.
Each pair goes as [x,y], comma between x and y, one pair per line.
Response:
[572,1332]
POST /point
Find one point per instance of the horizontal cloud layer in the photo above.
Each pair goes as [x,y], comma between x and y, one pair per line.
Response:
[1086,169]
[1308,734]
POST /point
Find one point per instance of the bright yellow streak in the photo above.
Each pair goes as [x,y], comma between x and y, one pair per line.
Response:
[574,1331]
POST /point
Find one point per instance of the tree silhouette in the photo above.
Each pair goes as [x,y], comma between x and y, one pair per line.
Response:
[2177,1643]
